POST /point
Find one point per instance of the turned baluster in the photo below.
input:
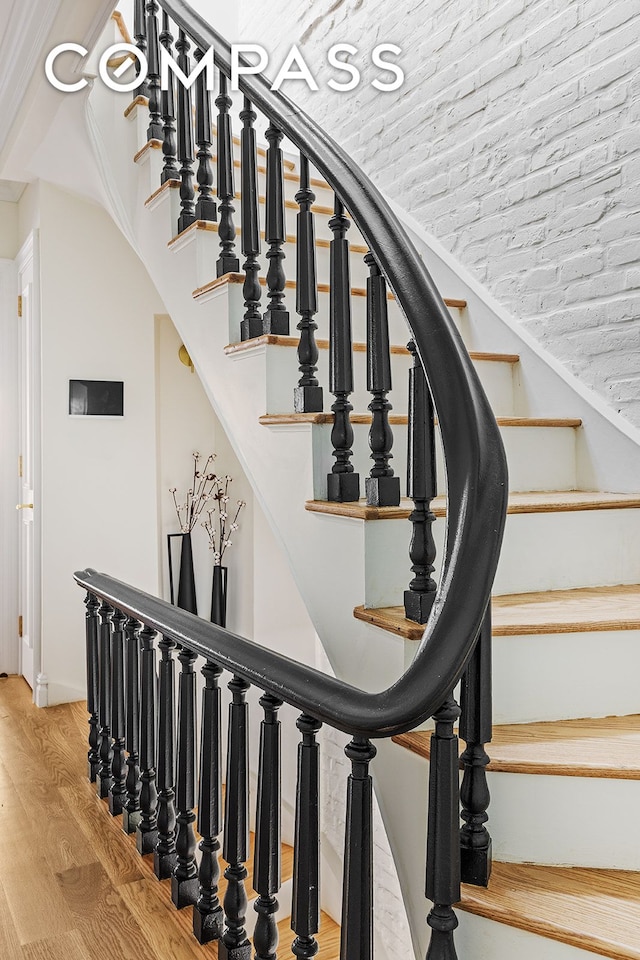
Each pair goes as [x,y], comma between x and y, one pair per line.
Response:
[343,485]
[383,488]
[307,396]
[164,855]
[154,131]
[476,731]
[266,864]
[167,99]
[147,829]
[185,139]
[184,883]
[227,261]
[93,671]
[234,944]
[305,908]
[421,487]
[208,920]
[105,750]
[251,325]
[356,936]
[443,840]
[206,206]
[131,809]
[117,789]
[276,317]
[140,37]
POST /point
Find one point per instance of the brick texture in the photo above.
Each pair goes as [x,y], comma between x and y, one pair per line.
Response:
[514,140]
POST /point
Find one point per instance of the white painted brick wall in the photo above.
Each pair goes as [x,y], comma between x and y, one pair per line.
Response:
[515,140]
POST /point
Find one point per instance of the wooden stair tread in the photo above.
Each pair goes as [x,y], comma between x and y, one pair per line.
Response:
[582,610]
[561,501]
[592,909]
[328,938]
[213,227]
[275,419]
[275,340]
[607,747]
[239,278]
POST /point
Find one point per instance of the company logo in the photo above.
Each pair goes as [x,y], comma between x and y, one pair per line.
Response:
[389,75]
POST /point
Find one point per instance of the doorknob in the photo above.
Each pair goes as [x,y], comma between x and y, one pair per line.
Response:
[24,506]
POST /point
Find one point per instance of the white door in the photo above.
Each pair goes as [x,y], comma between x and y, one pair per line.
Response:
[29,444]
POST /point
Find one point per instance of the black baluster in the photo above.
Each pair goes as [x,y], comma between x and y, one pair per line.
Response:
[383,489]
[251,325]
[154,131]
[276,317]
[164,855]
[421,487]
[206,206]
[266,863]
[147,829]
[140,37]
[93,670]
[167,100]
[476,731]
[305,908]
[307,396]
[443,834]
[117,789]
[104,775]
[131,810]
[208,921]
[185,139]
[356,935]
[227,261]
[234,944]
[184,883]
[342,483]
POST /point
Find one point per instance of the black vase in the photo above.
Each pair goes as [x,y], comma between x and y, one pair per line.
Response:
[187,580]
[219,595]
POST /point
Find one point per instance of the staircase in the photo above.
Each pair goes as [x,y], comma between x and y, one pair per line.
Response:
[566,600]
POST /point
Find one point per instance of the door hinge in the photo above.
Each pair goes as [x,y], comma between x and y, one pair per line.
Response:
[20,465]
[19,306]
[20,626]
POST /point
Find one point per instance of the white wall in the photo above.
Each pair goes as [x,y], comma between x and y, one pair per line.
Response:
[8,229]
[9,490]
[186,424]
[98,476]
[514,140]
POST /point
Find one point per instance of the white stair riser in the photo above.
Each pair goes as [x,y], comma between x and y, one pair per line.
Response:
[525,689]
[558,820]
[283,374]
[485,939]
[559,551]
[556,472]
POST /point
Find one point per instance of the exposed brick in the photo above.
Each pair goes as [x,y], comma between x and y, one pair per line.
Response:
[515,140]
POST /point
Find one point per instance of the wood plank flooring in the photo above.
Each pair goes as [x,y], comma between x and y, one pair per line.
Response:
[607,747]
[72,885]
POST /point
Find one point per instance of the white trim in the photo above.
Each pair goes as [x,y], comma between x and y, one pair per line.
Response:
[8,467]
[28,260]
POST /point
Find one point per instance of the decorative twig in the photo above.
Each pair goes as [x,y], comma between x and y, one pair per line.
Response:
[216,522]
[198,495]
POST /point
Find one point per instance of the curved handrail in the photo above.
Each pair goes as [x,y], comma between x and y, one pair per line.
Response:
[474,458]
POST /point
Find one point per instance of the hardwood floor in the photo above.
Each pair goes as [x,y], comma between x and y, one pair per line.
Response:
[72,885]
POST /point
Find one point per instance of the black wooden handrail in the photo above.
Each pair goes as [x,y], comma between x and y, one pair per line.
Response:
[474,457]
